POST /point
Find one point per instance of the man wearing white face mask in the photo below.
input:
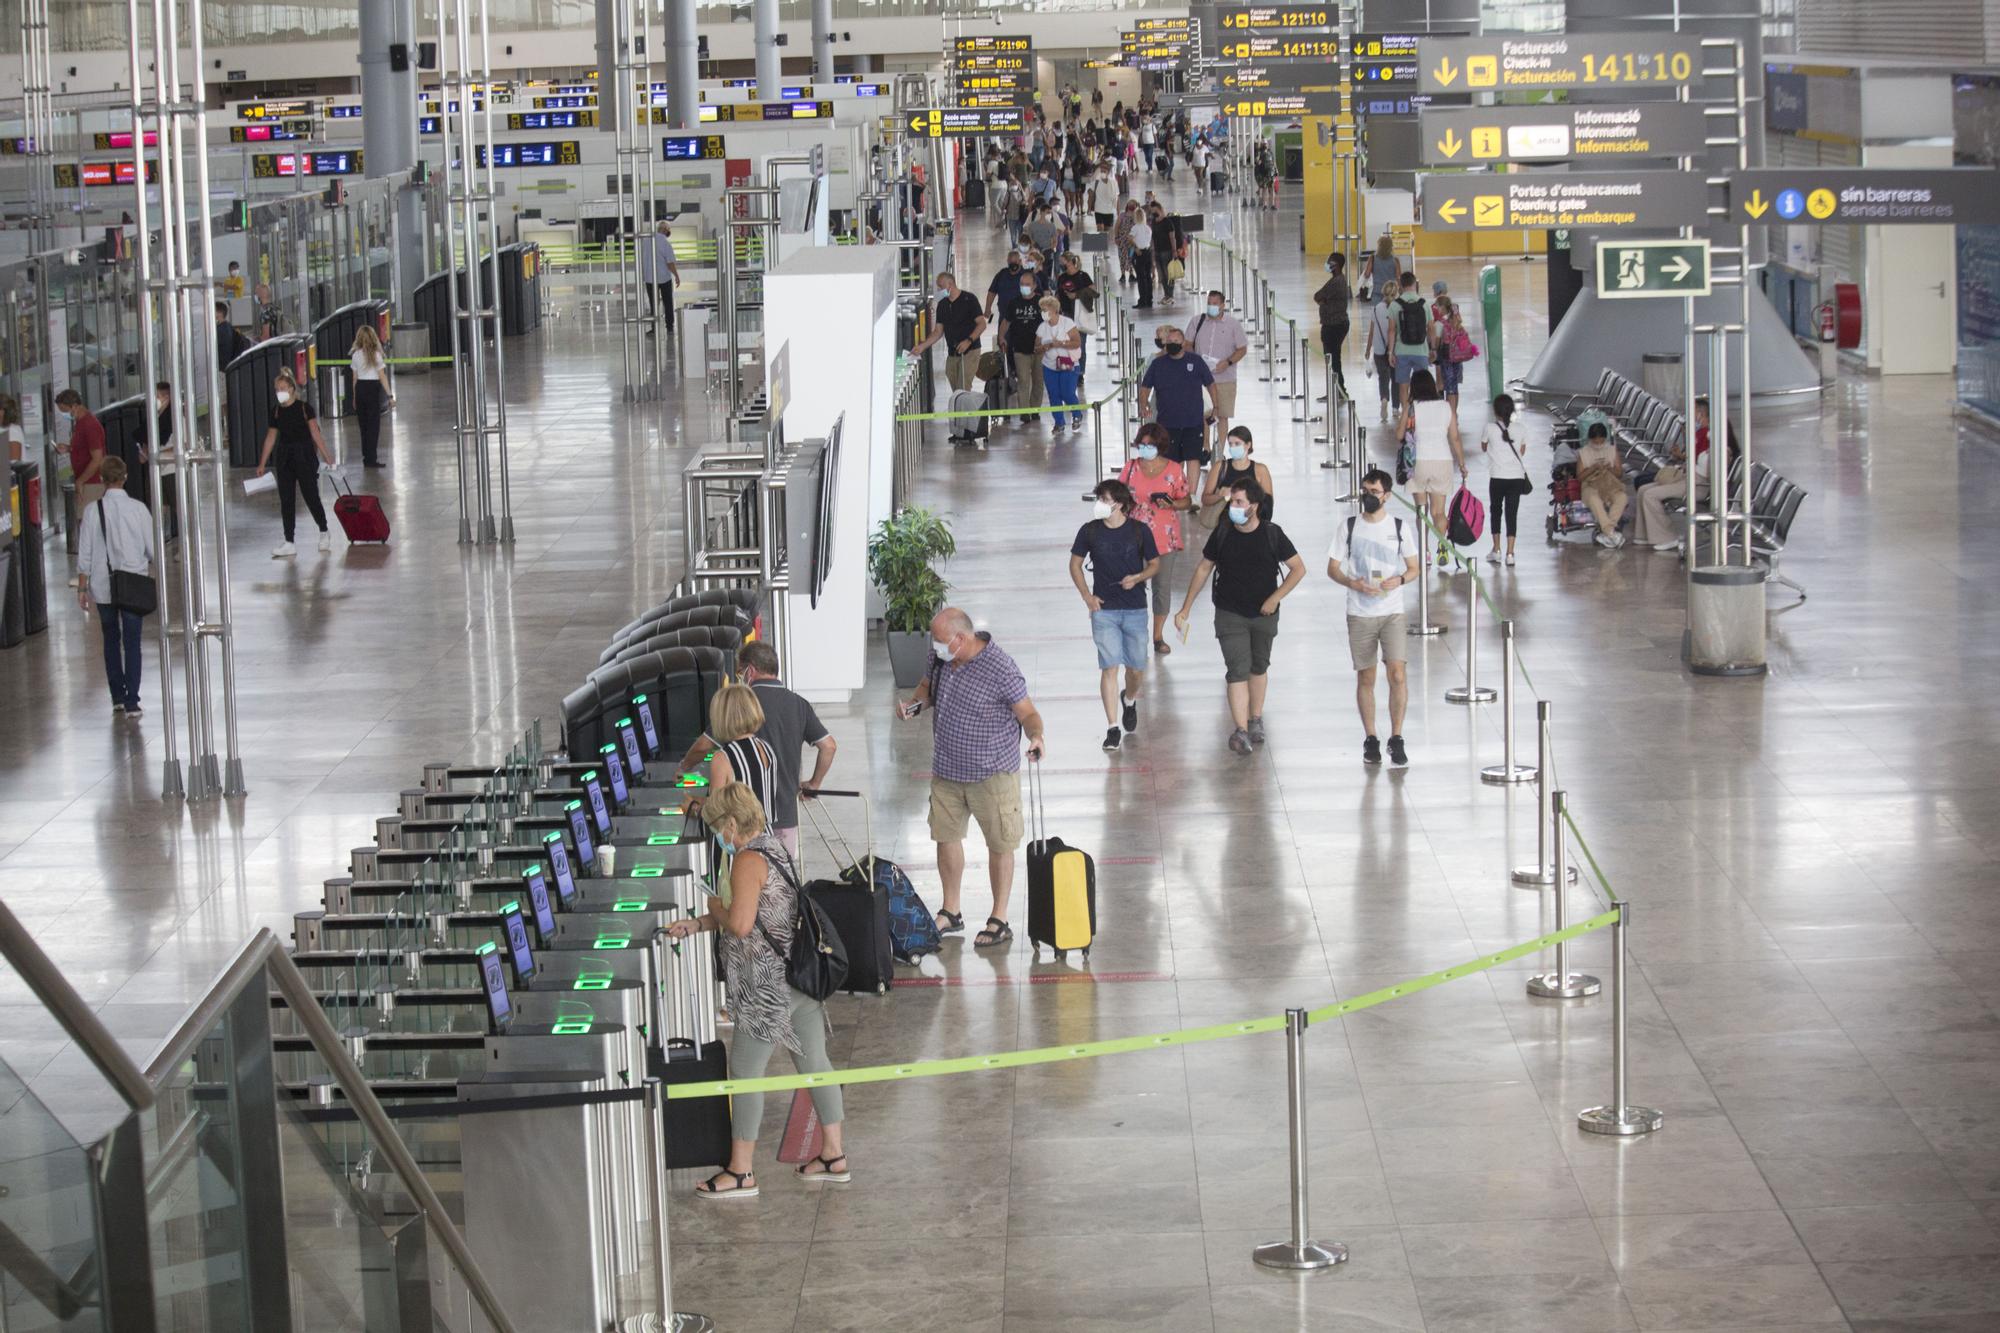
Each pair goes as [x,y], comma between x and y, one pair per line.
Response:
[1123,556]
[982,712]
[1217,337]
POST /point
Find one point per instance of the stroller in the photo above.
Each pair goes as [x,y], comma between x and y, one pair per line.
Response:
[1570,519]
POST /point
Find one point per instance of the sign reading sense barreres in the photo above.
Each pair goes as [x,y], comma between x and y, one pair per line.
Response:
[1545,61]
[1599,200]
[1580,131]
[1944,196]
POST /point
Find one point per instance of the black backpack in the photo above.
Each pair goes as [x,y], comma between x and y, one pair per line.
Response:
[1413,324]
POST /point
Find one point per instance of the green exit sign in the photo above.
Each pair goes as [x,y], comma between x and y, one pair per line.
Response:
[1631,270]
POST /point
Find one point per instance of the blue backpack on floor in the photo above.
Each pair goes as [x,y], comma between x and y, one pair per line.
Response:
[912,929]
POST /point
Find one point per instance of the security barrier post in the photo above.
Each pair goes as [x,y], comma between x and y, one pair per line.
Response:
[1332,417]
[1298,1253]
[1423,629]
[1562,984]
[1619,1117]
[1506,772]
[1472,692]
[1542,872]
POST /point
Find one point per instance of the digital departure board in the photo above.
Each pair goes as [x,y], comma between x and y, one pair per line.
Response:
[691,147]
[123,139]
[566,102]
[429,124]
[260,134]
[552,153]
[69,175]
[551,120]
[339,162]
[347,112]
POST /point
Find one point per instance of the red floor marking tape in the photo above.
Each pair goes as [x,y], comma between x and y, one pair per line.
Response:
[1036,979]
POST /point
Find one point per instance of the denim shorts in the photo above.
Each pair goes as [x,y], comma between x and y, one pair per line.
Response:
[1408,364]
[1121,638]
[1450,374]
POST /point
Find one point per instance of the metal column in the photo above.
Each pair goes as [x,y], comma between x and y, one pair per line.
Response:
[389,131]
[770,61]
[683,65]
[481,428]
[822,39]
[38,127]
[628,112]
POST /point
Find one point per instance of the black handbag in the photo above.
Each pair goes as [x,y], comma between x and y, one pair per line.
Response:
[817,963]
[137,593]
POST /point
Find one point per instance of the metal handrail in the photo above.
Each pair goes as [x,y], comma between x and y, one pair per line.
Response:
[46,980]
[264,955]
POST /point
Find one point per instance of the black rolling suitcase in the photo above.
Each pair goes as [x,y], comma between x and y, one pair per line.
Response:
[975,193]
[859,910]
[697,1129]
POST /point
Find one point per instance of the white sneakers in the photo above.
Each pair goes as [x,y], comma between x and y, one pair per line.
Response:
[325,540]
[1611,542]
[283,550]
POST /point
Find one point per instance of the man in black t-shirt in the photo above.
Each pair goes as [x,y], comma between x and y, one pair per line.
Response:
[1021,316]
[959,323]
[1123,556]
[1248,557]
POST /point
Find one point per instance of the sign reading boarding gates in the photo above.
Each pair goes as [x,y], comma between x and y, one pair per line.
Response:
[1579,131]
[1594,200]
[1553,60]
[951,122]
[1628,270]
[1942,196]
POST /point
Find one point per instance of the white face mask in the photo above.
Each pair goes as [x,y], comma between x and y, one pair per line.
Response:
[1233,452]
[1101,509]
[1238,515]
[284,398]
[943,650]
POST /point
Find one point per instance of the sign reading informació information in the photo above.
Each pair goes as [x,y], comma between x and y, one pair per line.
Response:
[1943,196]
[1598,200]
[1578,131]
[1629,270]
[1548,61]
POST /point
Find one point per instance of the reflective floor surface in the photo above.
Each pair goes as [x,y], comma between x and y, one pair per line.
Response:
[1810,858]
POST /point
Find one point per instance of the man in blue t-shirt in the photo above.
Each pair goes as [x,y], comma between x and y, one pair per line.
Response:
[1185,390]
[1123,556]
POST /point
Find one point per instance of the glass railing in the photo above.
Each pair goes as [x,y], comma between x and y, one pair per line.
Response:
[48,1248]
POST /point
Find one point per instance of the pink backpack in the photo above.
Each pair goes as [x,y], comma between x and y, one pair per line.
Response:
[1465,520]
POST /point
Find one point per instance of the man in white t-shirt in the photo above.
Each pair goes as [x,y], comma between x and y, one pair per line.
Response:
[1374,556]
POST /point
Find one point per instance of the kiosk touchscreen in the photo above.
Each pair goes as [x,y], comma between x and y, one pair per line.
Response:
[642,707]
[493,980]
[628,733]
[579,828]
[539,904]
[559,865]
[519,951]
[615,767]
[600,809]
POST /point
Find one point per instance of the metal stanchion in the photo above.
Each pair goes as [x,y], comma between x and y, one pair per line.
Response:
[1562,984]
[1298,1253]
[1301,395]
[1357,439]
[1543,871]
[1619,1117]
[1423,629]
[1506,772]
[1472,692]
[1332,417]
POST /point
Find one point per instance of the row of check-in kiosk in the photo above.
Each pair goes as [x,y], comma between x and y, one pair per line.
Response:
[498,962]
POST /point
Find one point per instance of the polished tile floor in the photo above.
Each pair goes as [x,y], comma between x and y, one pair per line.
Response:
[1811,857]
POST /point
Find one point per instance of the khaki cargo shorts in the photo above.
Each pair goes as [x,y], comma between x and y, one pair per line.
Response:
[994,802]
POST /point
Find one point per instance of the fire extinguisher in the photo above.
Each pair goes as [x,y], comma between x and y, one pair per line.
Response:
[1824,317]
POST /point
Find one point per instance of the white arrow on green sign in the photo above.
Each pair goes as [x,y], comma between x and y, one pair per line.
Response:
[1629,270]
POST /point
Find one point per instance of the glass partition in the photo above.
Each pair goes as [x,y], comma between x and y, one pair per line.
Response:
[48,1248]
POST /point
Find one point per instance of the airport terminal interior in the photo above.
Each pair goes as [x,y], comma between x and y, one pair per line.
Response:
[248,1025]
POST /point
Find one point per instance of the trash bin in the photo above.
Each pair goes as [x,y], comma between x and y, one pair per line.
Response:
[333,340]
[247,382]
[1726,621]
[409,344]
[514,273]
[1660,375]
[26,580]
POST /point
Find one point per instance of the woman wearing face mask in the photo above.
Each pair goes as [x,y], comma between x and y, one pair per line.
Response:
[741,755]
[754,929]
[1333,298]
[1236,467]
[1060,342]
[1122,556]
[294,436]
[1160,495]
[1255,567]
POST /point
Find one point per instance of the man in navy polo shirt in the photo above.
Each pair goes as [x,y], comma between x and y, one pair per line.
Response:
[1185,390]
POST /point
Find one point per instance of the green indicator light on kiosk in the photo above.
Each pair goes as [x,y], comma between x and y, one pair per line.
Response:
[708,758]
[691,780]
[623,722]
[590,776]
[607,748]
[638,698]
[629,905]
[555,836]
[648,872]
[573,805]
[486,948]
[666,810]
[662,839]
[514,906]
[591,983]
[571,1027]
[531,872]
[612,942]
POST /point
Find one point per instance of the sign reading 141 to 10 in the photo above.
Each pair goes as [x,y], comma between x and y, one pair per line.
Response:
[1629,270]
[1593,200]
[1543,62]
[1942,196]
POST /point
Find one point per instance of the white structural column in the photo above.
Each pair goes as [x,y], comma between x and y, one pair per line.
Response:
[822,37]
[683,65]
[770,67]
[389,130]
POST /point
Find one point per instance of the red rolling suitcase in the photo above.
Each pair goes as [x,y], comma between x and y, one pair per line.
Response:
[361,516]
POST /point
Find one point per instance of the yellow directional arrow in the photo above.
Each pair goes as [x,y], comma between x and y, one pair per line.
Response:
[1756,205]
[1450,144]
[1445,72]
[1451,210]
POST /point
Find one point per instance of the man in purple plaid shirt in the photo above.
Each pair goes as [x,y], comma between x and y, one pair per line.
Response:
[983,709]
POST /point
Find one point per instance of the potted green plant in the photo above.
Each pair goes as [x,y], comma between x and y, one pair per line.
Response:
[903,554]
